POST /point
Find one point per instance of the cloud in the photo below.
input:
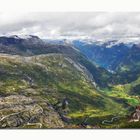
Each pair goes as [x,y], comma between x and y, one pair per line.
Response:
[71,24]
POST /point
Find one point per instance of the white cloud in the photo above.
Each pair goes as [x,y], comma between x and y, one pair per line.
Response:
[74,24]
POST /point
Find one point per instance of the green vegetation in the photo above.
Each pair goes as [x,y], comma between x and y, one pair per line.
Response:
[46,80]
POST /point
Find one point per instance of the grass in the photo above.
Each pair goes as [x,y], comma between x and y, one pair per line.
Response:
[55,78]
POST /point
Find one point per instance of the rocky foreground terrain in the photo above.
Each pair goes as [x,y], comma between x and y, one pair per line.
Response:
[29,90]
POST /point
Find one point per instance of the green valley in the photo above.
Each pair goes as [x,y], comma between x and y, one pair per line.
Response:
[33,88]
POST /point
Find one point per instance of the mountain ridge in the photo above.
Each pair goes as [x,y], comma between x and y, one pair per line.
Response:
[60,87]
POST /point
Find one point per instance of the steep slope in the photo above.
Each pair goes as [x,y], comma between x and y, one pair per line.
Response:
[56,86]
[32,91]
[34,46]
[106,54]
[128,70]
[120,57]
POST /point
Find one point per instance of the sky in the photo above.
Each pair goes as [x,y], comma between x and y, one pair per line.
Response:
[71,24]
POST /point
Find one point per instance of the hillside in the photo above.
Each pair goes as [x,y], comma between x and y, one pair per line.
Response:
[32,90]
[35,46]
[46,85]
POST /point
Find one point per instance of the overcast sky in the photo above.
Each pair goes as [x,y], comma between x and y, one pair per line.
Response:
[76,24]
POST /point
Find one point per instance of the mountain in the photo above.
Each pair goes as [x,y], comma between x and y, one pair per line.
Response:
[118,57]
[35,46]
[45,84]
[32,96]
[29,95]
[107,54]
